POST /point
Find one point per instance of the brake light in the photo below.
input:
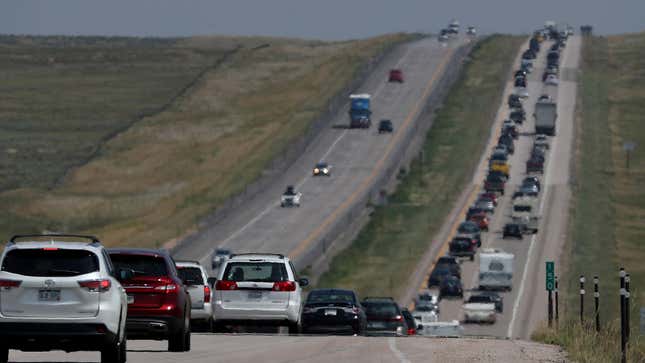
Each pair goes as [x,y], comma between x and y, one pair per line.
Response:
[355,310]
[284,286]
[7,284]
[412,331]
[168,288]
[225,285]
[96,285]
[50,248]
[207,294]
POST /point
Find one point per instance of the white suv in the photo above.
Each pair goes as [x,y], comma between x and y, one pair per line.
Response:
[258,289]
[195,278]
[57,293]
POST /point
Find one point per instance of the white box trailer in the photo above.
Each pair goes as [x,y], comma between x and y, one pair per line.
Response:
[545,114]
[495,269]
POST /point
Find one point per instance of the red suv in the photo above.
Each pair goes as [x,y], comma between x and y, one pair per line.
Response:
[396,75]
[158,302]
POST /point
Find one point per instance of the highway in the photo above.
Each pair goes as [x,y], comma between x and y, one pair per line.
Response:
[356,155]
[310,349]
[526,305]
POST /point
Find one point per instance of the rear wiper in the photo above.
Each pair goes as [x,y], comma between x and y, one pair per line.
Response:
[61,271]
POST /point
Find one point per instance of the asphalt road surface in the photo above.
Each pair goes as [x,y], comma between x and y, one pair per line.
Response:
[526,305]
[292,349]
[354,154]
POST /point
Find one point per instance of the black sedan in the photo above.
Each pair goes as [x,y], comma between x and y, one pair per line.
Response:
[512,230]
[333,311]
[451,286]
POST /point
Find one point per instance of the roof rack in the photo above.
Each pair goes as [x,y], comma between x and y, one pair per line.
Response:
[279,255]
[93,240]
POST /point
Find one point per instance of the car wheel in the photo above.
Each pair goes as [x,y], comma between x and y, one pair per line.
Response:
[177,339]
[472,257]
[294,328]
[113,353]
[4,354]
[187,339]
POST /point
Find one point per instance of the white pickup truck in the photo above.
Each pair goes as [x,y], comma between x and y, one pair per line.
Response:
[479,313]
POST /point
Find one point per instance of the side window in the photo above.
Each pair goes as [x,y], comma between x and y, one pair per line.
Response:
[293,270]
[108,262]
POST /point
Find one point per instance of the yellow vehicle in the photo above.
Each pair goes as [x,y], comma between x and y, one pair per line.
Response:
[501,166]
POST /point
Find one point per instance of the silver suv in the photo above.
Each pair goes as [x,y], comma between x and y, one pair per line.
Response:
[195,278]
[57,293]
[259,289]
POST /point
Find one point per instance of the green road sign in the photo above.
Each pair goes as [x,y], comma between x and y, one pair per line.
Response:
[550,275]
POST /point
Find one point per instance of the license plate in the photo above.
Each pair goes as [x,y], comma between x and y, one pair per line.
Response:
[376,324]
[330,312]
[130,299]
[49,295]
[255,295]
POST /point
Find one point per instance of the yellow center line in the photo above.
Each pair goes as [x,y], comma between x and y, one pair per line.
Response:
[379,165]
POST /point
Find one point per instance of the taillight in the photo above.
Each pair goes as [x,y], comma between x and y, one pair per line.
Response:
[207,294]
[7,284]
[168,288]
[355,310]
[225,285]
[284,286]
[96,285]
[307,310]
[412,331]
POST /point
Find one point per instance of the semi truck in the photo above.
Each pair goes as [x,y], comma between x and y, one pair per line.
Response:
[545,116]
[495,269]
[359,111]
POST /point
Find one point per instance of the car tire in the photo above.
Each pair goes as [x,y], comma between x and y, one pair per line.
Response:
[114,352]
[472,257]
[4,354]
[177,338]
[294,328]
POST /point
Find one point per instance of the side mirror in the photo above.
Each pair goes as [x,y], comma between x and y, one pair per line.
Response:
[303,282]
[124,274]
[211,281]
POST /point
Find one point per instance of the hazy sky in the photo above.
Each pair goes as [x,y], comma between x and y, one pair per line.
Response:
[323,19]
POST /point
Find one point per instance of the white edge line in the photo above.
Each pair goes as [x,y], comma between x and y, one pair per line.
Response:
[509,332]
[399,355]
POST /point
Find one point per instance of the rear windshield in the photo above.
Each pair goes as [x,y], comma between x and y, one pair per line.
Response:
[191,273]
[479,299]
[142,265]
[256,271]
[522,208]
[380,308]
[50,263]
[330,296]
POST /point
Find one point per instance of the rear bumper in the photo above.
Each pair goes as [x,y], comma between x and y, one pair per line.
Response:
[318,325]
[205,313]
[54,336]
[237,315]
[151,327]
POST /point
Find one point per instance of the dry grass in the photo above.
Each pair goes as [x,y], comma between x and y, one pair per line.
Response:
[388,249]
[156,180]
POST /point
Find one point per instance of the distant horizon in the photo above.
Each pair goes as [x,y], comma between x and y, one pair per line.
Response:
[301,19]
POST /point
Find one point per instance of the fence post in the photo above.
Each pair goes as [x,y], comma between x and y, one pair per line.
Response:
[557,313]
[627,296]
[623,341]
[582,298]
[596,296]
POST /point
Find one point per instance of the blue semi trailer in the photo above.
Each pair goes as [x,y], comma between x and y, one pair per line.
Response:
[359,111]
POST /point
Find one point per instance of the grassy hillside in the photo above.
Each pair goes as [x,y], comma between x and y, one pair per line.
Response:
[158,131]
[607,228]
[388,249]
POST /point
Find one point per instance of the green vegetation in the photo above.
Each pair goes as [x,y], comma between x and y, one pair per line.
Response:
[388,249]
[607,229]
[158,131]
